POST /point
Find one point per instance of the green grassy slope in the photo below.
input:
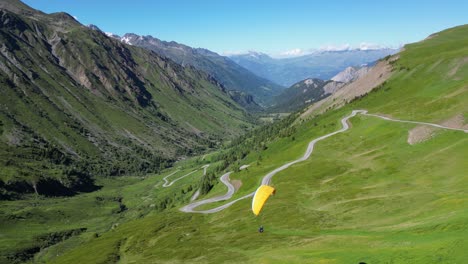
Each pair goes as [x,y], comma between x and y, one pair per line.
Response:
[348,203]
[76,104]
[365,195]
[430,79]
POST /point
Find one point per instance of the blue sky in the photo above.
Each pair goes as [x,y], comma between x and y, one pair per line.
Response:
[273,27]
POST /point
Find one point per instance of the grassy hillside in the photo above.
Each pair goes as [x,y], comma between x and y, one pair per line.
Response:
[370,206]
[365,195]
[430,75]
[77,104]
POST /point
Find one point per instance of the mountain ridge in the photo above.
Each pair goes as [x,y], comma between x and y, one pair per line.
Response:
[322,64]
[230,74]
[304,93]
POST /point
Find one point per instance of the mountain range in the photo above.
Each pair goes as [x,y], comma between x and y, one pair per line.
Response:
[233,76]
[311,90]
[320,65]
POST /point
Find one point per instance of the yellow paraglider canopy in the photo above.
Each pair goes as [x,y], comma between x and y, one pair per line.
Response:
[261,196]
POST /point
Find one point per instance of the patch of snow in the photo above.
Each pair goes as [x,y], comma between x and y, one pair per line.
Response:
[112,35]
[126,40]
[254,54]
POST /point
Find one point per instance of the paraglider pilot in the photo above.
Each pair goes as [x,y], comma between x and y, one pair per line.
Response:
[260,197]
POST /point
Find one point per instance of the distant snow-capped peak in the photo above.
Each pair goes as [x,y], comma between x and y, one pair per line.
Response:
[297,52]
[249,53]
[255,54]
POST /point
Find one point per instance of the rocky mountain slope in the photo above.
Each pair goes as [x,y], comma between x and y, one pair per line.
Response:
[304,93]
[77,104]
[350,74]
[230,74]
[310,91]
[321,65]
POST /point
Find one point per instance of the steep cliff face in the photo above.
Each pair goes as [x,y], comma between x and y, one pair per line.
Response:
[77,104]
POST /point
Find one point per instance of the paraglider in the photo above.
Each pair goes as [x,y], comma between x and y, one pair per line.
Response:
[261,196]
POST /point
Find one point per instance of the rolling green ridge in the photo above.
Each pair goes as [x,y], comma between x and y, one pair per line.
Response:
[77,104]
[365,195]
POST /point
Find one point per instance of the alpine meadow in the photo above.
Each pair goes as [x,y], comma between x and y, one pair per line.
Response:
[124,148]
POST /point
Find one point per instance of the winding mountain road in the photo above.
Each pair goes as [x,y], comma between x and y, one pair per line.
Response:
[414,122]
[267,178]
[225,180]
[167,183]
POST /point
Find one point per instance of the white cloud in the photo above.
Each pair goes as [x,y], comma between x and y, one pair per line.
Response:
[361,46]
[292,53]
[334,47]
[296,52]
[370,46]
